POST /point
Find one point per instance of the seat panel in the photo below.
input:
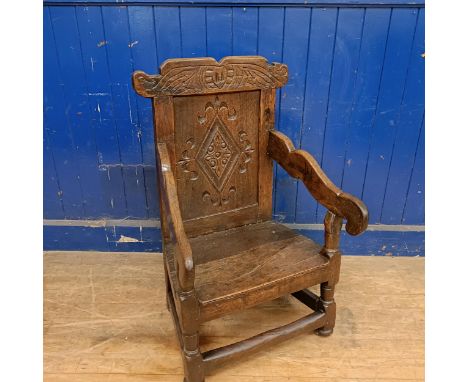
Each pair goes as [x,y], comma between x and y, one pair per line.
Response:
[248,265]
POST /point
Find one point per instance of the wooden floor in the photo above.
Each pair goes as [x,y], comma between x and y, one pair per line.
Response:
[105,319]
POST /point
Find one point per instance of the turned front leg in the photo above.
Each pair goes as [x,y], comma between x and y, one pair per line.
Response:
[333,226]
[193,361]
[192,358]
[329,306]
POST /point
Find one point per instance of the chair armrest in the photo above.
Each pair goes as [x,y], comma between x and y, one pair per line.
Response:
[302,165]
[183,251]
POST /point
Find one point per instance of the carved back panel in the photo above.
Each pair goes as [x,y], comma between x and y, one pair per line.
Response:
[216,147]
[214,118]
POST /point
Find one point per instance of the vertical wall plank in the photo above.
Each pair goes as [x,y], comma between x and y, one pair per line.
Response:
[245,31]
[321,47]
[374,40]
[144,54]
[270,45]
[168,37]
[193,30]
[355,100]
[271,40]
[296,42]
[219,32]
[57,127]
[270,33]
[342,93]
[167,21]
[413,211]
[77,111]
[397,58]
[118,47]
[409,119]
[94,57]
[53,205]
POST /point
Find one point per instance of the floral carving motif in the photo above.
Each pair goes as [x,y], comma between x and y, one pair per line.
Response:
[246,153]
[219,200]
[186,162]
[217,108]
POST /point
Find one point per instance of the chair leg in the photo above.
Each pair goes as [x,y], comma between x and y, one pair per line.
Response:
[327,292]
[193,360]
[168,291]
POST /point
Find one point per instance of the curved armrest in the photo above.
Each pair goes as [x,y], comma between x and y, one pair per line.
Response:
[301,165]
[183,251]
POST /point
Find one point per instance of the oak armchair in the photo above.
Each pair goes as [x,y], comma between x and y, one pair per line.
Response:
[215,144]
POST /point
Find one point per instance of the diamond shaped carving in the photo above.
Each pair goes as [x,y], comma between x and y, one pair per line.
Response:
[218,154]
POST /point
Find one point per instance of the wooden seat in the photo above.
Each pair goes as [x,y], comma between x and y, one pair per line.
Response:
[236,265]
[215,143]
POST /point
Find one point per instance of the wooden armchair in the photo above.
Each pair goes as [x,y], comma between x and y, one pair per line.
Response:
[215,140]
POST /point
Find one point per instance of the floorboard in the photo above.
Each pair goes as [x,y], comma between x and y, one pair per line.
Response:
[105,320]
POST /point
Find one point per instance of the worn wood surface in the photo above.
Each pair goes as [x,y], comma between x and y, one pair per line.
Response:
[302,165]
[215,143]
[216,156]
[258,262]
[105,320]
[191,76]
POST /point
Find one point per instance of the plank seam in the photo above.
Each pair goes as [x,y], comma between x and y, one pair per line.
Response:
[412,168]
[303,105]
[138,113]
[69,129]
[155,223]
[395,134]
[124,186]
[372,125]
[328,102]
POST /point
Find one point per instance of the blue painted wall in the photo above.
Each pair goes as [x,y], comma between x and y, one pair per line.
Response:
[355,98]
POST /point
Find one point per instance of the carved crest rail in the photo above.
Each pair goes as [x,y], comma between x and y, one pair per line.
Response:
[206,75]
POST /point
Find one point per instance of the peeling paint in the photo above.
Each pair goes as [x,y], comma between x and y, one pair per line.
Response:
[133,43]
[98,94]
[99,112]
[107,166]
[127,239]
[101,43]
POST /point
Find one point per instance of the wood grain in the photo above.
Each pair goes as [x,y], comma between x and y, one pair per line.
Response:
[259,262]
[217,155]
[302,165]
[174,224]
[103,322]
[190,76]
[214,126]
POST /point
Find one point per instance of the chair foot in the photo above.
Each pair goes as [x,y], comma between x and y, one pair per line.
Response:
[192,358]
[324,332]
[329,306]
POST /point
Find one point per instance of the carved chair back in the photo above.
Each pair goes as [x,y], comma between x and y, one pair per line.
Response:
[214,118]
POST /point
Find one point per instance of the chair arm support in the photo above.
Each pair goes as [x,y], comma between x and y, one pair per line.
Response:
[302,165]
[183,251]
